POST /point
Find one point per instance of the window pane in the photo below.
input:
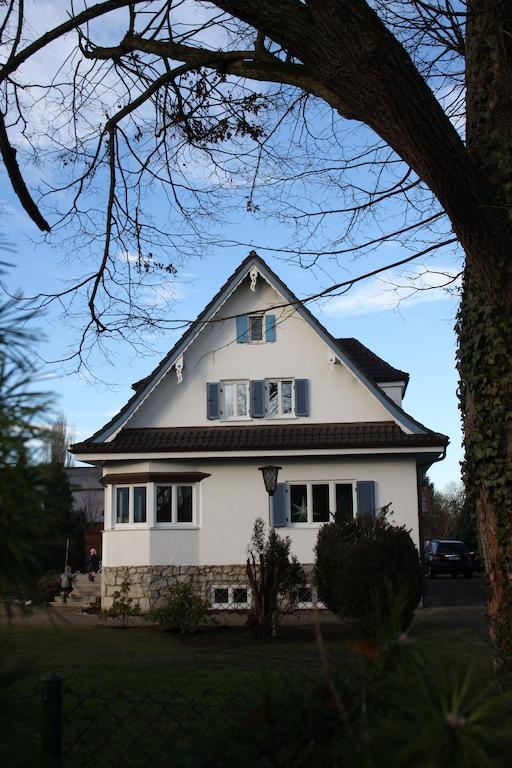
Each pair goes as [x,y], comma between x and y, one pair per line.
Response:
[286,394]
[273,395]
[228,400]
[344,502]
[299,504]
[163,504]
[184,503]
[221,596]
[239,596]
[320,503]
[256,328]
[122,507]
[241,399]
[139,505]
[304,595]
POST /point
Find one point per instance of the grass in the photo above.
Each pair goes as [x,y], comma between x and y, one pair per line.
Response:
[182,686]
[222,659]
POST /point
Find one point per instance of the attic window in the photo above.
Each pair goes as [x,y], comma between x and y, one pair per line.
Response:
[255,328]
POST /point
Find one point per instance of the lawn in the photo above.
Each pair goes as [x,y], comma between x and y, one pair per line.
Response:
[120,682]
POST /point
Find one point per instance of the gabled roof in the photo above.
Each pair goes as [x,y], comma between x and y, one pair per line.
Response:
[357,358]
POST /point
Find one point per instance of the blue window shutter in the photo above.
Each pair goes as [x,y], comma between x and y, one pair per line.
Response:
[365,497]
[270,327]
[280,506]
[257,399]
[301,397]
[213,400]
[242,329]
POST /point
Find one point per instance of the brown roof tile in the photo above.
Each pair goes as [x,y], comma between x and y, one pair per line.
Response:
[373,366]
[262,437]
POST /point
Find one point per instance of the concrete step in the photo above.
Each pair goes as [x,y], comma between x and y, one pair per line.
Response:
[85,593]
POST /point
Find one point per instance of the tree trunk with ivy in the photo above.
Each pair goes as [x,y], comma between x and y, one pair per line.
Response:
[485,316]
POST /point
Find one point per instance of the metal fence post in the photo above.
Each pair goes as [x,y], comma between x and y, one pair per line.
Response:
[52,713]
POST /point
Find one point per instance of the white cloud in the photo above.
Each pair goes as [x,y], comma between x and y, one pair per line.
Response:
[395,288]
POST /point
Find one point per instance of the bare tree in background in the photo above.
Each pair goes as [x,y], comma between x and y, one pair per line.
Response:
[262,103]
[56,441]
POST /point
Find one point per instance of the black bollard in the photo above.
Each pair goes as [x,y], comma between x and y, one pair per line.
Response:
[52,713]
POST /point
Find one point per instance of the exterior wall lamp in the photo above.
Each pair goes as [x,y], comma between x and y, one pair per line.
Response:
[269,473]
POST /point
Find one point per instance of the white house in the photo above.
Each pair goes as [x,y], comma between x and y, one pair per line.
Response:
[256,380]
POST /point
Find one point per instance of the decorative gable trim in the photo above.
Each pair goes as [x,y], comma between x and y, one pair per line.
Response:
[147,386]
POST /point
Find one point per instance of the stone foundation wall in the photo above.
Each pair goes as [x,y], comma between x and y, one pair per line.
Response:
[150,584]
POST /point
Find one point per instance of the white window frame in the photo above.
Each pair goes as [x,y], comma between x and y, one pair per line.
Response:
[279,382]
[229,606]
[315,602]
[309,500]
[174,506]
[131,505]
[234,383]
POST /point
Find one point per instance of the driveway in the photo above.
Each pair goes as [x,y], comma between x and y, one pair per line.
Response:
[457,604]
[445,592]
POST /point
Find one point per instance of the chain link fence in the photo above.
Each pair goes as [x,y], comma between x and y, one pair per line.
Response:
[59,726]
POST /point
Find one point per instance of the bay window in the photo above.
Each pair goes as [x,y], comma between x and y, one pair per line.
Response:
[174,504]
[130,504]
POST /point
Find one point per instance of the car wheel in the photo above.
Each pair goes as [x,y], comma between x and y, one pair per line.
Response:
[468,574]
[454,575]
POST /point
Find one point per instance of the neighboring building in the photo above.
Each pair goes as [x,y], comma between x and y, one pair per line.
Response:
[88,499]
[255,380]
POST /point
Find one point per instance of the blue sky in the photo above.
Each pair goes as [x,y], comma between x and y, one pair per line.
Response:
[411,330]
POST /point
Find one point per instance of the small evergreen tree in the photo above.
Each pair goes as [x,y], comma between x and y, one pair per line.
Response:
[271,572]
[22,527]
[56,499]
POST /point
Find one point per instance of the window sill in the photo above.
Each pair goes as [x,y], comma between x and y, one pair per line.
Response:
[175,527]
[129,527]
[301,526]
[231,419]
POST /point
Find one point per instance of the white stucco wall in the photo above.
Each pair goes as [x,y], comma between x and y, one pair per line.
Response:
[298,352]
[232,498]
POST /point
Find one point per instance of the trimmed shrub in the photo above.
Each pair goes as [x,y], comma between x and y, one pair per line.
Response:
[368,571]
[184,611]
[122,605]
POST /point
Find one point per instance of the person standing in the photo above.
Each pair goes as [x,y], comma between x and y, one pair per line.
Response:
[66,583]
[93,564]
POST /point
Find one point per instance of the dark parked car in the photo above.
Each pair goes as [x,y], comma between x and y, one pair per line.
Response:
[447,556]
